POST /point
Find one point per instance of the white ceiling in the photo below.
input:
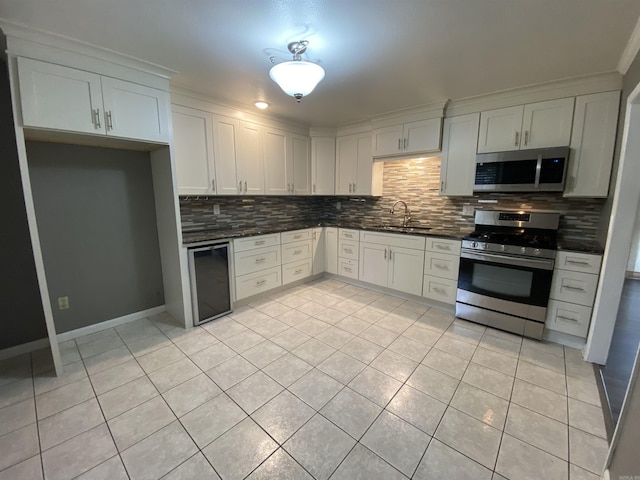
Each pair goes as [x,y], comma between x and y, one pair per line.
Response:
[379,55]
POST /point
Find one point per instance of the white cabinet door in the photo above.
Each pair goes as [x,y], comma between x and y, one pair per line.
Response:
[318,238]
[387,141]
[547,124]
[422,136]
[500,129]
[278,168]
[193,148]
[592,144]
[135,111]
[346,164]
[373,263]
[458,168]
[323,165]
[368,179]
[250,164]
[225,145]
[60,98]
[301,164]
[406,270]
[331,250]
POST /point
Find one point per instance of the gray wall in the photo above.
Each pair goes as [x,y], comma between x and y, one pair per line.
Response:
[97,225]
[22,318]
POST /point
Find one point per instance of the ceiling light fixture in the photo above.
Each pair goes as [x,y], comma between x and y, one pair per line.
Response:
[297,77]
[261,105]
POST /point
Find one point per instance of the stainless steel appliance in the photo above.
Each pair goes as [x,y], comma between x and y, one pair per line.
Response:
[210,282]
[538,170]
[506,267]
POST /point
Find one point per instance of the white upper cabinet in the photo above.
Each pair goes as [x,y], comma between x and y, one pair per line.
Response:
[301,152]
[250,164]
[592,145]
[193,147]
[278,168]
[226,132]
[536,125]
[356,172]
[407,138]
[323,165]
[459,140]
[63,98]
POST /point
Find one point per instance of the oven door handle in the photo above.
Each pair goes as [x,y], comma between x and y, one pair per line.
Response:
[543,264]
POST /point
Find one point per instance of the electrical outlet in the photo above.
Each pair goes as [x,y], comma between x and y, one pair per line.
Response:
[468,210]
[339,206]
[216,209]
[63,303]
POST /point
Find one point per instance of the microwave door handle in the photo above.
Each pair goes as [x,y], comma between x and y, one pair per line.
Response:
[538,170]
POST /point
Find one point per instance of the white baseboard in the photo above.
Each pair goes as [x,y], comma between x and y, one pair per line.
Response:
[24,348]
[564,339]
[114,322]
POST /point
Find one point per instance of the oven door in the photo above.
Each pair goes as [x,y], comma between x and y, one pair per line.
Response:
[512,285]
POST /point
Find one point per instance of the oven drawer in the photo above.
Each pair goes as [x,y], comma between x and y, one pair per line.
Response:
[348,268]
[442,245]
[578,262]
[296,271]
[254,283]
[296,251]
[257,259]
[295,236]
[441,265]
[574,287]
[243,244]
[348,249]
[348,234]
[568,318]
[440,289]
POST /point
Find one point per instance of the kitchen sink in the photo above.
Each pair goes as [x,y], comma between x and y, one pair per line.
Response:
[399,228]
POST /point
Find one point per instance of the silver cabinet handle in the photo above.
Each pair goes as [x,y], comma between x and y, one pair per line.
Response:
[405,143]
[349,188]
[297,272]
[213,184]
[439,290]
[399,147]
[109,120]
[297,252]
[578,262]
[347,269]
[96,118]
[575,289]
[348,250]
[385,253]
[260,282]
[245,186]
[314,188]
[526,136]
[439,246]
[240,186]
[442,186]
[260,260]
[562,317]
[259,242]
[517,138]
[439,266]
[390,253]
[354,188]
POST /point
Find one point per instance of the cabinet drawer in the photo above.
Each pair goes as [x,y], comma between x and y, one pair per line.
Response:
[243,244]
[574,287]
[254,283]
[348,234]
[295,271]
[440,289]
[568,318]
[295,236]
[442,245]
[441,265]
[348,268]
[255,260]
[578,262]
[296,251]
[348,249]
[393,240]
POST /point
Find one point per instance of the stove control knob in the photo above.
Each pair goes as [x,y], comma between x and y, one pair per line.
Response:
[503,248]
[523,249]
[536,251]
[474,244]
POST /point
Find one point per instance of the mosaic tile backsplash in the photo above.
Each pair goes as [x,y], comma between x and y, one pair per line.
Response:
[413,181]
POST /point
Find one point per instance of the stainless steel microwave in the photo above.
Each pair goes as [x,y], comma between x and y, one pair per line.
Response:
[538,170]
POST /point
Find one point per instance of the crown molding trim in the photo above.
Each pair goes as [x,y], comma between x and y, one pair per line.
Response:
[630,50]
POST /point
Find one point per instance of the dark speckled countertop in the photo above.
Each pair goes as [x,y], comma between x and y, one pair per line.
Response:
[586,246]
[194,237]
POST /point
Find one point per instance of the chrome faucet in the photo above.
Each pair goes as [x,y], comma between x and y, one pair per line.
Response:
[407,217]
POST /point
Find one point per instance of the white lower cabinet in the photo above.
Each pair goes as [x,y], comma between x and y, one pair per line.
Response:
[297,249]
[331,250]
[257,264]
[318,250]
[258,282]
[441,263]
[348,252]
[296,271]
[440,289]
[348,268]
[573,289]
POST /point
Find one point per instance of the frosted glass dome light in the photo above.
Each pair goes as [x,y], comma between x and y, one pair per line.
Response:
[297,77]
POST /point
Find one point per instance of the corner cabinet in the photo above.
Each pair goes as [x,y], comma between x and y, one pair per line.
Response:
[413,137]
[458,166]
[592,145]
[523,127]
[62,98]
[323,165]
[356,172]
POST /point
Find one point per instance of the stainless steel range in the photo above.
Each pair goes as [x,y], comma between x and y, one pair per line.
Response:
[506,267]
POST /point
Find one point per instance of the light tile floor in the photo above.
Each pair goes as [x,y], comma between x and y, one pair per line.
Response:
[324,380]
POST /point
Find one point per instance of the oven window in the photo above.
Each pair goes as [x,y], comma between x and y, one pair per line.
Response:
[501,280]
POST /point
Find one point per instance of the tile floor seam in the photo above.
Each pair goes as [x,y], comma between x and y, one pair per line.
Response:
[33,385]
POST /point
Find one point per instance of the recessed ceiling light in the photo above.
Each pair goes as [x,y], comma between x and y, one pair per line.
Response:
[261,105]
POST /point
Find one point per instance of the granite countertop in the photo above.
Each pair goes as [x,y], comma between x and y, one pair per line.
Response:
[582,246]
[199,236]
